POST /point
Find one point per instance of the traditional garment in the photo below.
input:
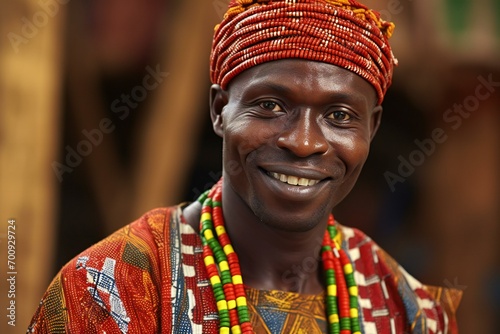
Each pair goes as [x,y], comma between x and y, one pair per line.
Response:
[149,277]
[286,312]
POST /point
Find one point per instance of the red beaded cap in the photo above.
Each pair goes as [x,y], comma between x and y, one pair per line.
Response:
[344,33]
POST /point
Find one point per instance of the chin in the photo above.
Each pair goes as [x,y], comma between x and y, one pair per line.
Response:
[292,220]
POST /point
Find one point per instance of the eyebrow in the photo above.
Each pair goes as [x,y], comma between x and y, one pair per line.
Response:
[337,96]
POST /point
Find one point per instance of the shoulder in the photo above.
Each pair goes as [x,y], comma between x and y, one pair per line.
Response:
[429,309]
[109,284]
[139,239]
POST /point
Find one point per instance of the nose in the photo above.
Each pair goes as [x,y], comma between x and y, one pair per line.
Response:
[303,136]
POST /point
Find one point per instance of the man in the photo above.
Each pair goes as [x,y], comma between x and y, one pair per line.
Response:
[297,94]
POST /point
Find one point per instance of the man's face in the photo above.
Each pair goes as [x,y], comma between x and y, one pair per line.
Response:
[296,134]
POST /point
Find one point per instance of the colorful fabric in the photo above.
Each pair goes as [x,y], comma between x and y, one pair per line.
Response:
[343,33]
[149,277]
[391,300]
[273,312]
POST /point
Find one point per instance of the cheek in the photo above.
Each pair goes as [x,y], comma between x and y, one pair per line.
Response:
[241,144]
[237,146]
[245,137]
[353,151]
[353,154]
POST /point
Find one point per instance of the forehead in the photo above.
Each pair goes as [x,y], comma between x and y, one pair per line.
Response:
[303,77]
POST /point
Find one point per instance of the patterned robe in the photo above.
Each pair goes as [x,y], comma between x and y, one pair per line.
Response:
[149,277]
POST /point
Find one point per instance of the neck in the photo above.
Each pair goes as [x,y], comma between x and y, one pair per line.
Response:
[273,259]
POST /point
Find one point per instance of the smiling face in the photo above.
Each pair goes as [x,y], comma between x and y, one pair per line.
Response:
[296,134]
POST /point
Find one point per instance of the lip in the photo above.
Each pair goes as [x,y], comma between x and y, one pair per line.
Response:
[290,192]
[294,180]
[299,171]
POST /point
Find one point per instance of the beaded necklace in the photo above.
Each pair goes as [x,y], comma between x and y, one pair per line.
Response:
[224,273]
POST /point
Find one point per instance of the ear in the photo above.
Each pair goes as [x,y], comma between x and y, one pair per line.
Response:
[218,100]
[375,120]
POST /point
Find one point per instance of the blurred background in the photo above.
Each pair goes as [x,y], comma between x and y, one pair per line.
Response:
[104,116]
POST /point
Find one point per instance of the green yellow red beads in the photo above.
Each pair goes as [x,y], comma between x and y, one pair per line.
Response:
[223,266]
[224,272]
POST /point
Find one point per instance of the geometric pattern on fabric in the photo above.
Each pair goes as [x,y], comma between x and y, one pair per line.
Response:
[379,303]
[275,312]
[133,256]
[149,277]
[390,299]
[193,301]
[54,305]
[104,291]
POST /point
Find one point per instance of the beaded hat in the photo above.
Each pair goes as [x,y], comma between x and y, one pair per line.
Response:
[344,33]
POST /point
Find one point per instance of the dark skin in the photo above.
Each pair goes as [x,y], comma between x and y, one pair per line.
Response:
[296,134]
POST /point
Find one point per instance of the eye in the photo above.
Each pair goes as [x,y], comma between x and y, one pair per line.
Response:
[339,116]
[271,106]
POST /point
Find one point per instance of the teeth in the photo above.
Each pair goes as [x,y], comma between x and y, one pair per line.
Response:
[294,180]
[303,182]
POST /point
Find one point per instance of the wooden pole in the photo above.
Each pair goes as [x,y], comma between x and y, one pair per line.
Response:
[170,133]
[30,80]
